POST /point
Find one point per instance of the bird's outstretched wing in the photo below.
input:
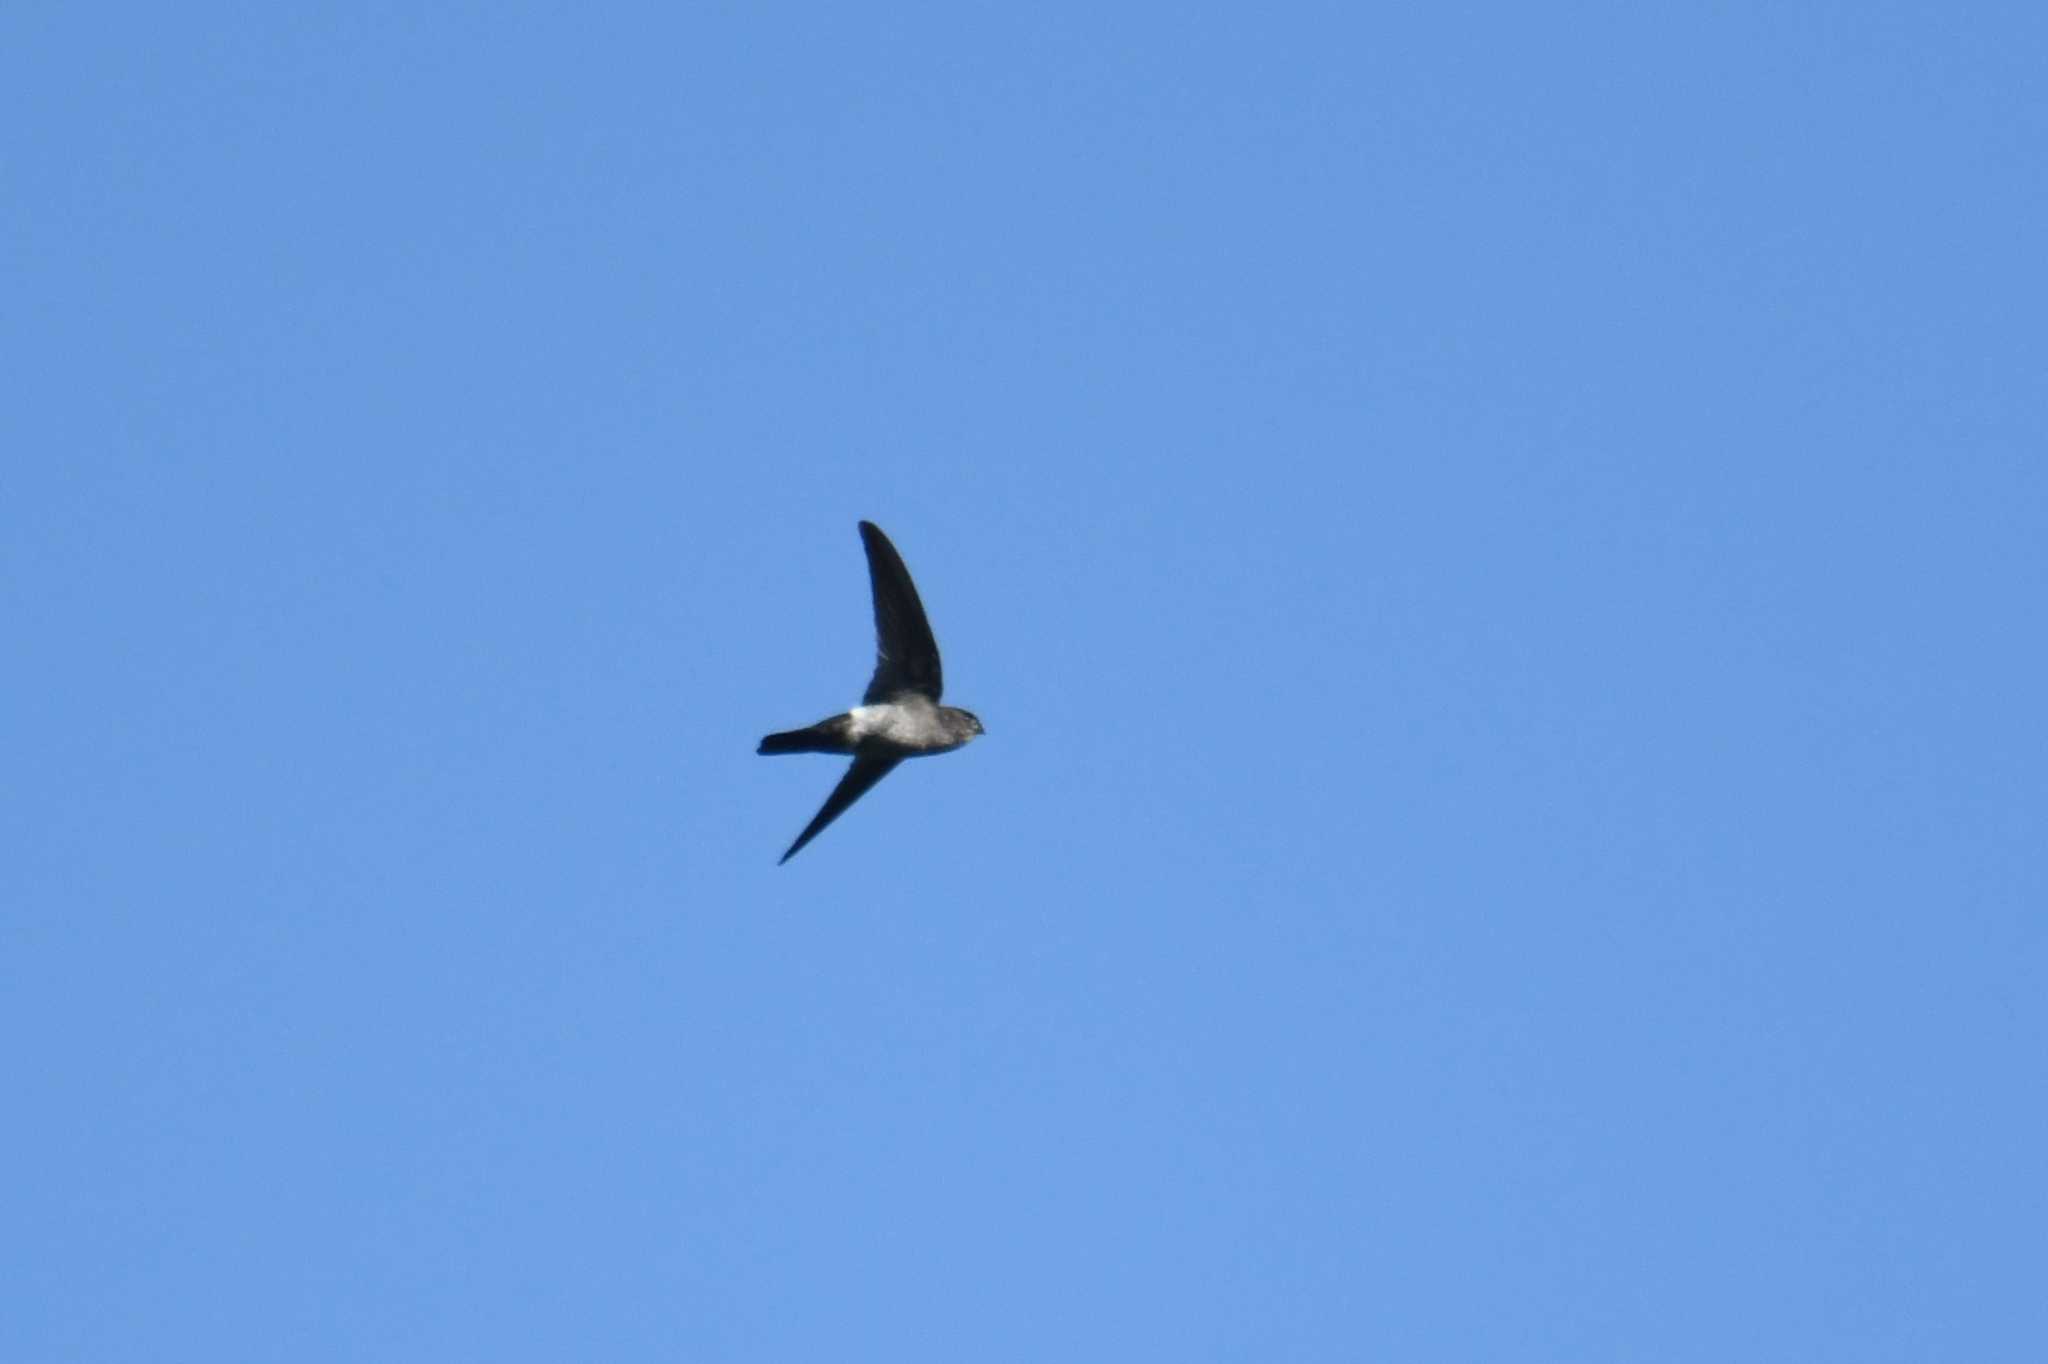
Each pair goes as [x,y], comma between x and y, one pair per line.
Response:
[864,773]
[906,656]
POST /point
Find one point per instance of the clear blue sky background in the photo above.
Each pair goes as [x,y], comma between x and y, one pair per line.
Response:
[1502,550]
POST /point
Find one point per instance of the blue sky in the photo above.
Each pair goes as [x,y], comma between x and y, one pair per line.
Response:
[1501,550]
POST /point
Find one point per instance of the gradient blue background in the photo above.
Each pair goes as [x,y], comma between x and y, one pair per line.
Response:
[1502,550]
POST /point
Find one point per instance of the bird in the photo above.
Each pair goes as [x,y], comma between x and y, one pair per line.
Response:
[900,716]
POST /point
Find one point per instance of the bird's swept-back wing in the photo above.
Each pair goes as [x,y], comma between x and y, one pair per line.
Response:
[859,778]
[906,656]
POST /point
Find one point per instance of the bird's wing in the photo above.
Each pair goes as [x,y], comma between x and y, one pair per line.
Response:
[863,774]
[906,656]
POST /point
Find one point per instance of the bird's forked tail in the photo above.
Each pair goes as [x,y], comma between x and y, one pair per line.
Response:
[827,736]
